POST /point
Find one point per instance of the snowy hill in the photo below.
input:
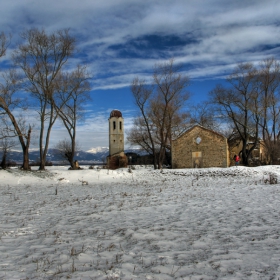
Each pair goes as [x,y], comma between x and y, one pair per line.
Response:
[98,150]
[145,224]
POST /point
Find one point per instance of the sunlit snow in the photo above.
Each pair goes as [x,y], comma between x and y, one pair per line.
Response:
[145,224]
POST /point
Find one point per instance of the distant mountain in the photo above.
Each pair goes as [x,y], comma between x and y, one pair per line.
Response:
[98,150]
[94,155]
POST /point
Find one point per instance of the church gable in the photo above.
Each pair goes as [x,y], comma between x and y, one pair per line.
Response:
[199,147]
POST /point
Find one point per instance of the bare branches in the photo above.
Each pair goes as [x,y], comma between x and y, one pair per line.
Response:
[14,125]
[65,151]
[203,114]
[11,85]
[240,103]
[5,145]
[72,94]
[4,42]
[160,107]
[42,57]
[269,78]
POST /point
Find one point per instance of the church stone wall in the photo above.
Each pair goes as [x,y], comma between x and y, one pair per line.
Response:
[200,148]
[259,154]
[117,161]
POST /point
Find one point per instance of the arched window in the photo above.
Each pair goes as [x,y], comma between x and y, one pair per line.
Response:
[114,125]
[120,125]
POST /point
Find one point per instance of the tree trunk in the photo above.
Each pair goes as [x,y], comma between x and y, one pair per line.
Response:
[72,163]
[244,153]
[43,155]
[73,137]
[25,164]
[4,160]
[155,160]
[24,145]
[70,157]
[25,150]
[43,151]
[161,157]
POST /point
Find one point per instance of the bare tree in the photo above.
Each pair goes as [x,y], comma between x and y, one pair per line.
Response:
[142,133]
[65,151]
[161,110]
[14,124]
[269,78]
[239,103]
[42,57]
[73,93]
[5,145]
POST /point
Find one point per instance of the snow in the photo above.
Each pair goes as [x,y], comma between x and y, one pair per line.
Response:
[145,224]
[98,150]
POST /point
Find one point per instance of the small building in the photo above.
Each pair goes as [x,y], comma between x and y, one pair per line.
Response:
[117,157]
[258,156]
[200,147]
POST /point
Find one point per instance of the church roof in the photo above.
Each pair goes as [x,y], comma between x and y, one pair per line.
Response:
[116,113]
[202,128]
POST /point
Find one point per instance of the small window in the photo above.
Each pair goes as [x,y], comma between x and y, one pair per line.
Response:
[120,125]
[198,140]
[114,125]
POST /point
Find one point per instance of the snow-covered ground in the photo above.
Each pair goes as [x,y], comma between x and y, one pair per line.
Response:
[170,224]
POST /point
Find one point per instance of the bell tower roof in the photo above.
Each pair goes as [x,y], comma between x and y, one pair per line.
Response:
[116,113]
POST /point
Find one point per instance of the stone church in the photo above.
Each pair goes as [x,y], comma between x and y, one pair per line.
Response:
[200,147]
[117,157]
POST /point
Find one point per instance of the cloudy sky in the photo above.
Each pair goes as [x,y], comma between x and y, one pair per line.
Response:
[121,39]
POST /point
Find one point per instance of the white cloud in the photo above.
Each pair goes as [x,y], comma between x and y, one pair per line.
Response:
[223,30]
[113,40]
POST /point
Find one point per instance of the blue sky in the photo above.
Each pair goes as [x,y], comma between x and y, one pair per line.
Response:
[121,39]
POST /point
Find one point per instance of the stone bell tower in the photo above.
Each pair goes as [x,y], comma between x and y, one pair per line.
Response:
[116,157]
[116,133]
